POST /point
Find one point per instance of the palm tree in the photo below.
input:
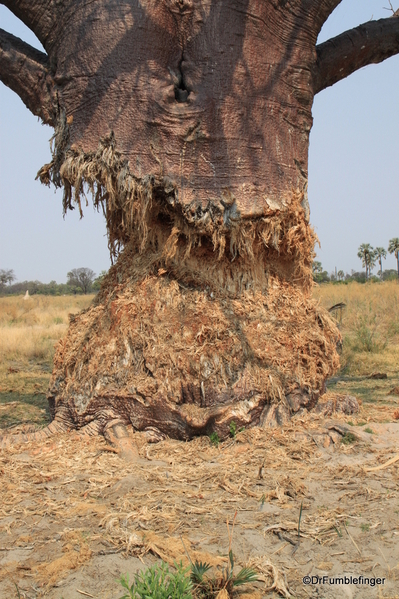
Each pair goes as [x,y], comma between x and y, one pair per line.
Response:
[340,275]
[379,254]
[393,248]
[366,254]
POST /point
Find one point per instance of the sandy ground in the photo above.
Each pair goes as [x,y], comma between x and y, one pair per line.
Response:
[75,516]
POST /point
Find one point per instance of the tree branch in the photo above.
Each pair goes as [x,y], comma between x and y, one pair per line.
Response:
[25,70]
[324,8]
[341,56]
[39,15]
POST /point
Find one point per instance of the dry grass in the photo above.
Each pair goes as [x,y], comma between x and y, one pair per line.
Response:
[28,332]
[370,325]
[29,328]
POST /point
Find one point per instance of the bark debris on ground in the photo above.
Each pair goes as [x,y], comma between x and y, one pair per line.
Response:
[74,515]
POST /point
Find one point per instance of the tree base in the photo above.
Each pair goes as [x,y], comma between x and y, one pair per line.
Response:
[182,361]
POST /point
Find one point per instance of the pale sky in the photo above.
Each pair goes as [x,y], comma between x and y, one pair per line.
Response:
[353,171]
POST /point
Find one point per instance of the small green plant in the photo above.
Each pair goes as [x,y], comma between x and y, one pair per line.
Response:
[368,430]
[365,527]
[157,582]
[338,531]
[350,423]
[233,429]
[348,439]
[214,439]
[205,586]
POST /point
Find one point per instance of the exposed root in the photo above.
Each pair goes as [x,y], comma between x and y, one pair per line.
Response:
[54,428]
[57,427]
[118,436]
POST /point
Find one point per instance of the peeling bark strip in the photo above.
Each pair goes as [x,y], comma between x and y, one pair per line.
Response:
[146,211]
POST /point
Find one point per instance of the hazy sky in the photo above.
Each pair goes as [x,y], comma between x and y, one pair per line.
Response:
[353,171]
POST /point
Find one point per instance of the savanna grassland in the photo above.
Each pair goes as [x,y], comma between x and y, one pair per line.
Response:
[74,516]
[29,329]
[369,324]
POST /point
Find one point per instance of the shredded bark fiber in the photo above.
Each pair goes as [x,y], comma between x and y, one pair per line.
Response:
[176,498]
[154,352]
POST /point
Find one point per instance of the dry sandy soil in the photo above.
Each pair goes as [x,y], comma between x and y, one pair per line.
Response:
[75,516]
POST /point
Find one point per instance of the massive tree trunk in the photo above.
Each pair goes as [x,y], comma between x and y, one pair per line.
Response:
[189,122]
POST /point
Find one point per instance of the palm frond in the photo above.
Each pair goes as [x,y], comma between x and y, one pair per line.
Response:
[198,570]
[245,576]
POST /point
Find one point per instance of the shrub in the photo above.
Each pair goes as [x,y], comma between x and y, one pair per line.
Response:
[158,582]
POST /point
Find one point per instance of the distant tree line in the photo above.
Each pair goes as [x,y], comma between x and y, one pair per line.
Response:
[84,280]
[79,281]
[370,257]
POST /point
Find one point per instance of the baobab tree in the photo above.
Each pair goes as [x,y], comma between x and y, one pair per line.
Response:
[188,121]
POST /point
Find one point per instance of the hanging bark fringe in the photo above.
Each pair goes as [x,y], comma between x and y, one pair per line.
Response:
[134,206]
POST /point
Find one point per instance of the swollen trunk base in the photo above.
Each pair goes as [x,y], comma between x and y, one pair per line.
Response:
[186,352]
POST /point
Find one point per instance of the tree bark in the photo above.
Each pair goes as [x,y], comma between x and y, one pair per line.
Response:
[41,16]
[26,71]
[189,122]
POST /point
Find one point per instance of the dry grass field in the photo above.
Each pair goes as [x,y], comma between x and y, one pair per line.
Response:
[370,331]
[74,516]
[28,332]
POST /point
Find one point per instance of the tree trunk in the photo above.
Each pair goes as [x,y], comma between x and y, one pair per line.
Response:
[189,122]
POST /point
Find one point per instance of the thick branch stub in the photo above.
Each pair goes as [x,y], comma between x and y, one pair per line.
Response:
[341,56]
[25,70]
[40,16]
